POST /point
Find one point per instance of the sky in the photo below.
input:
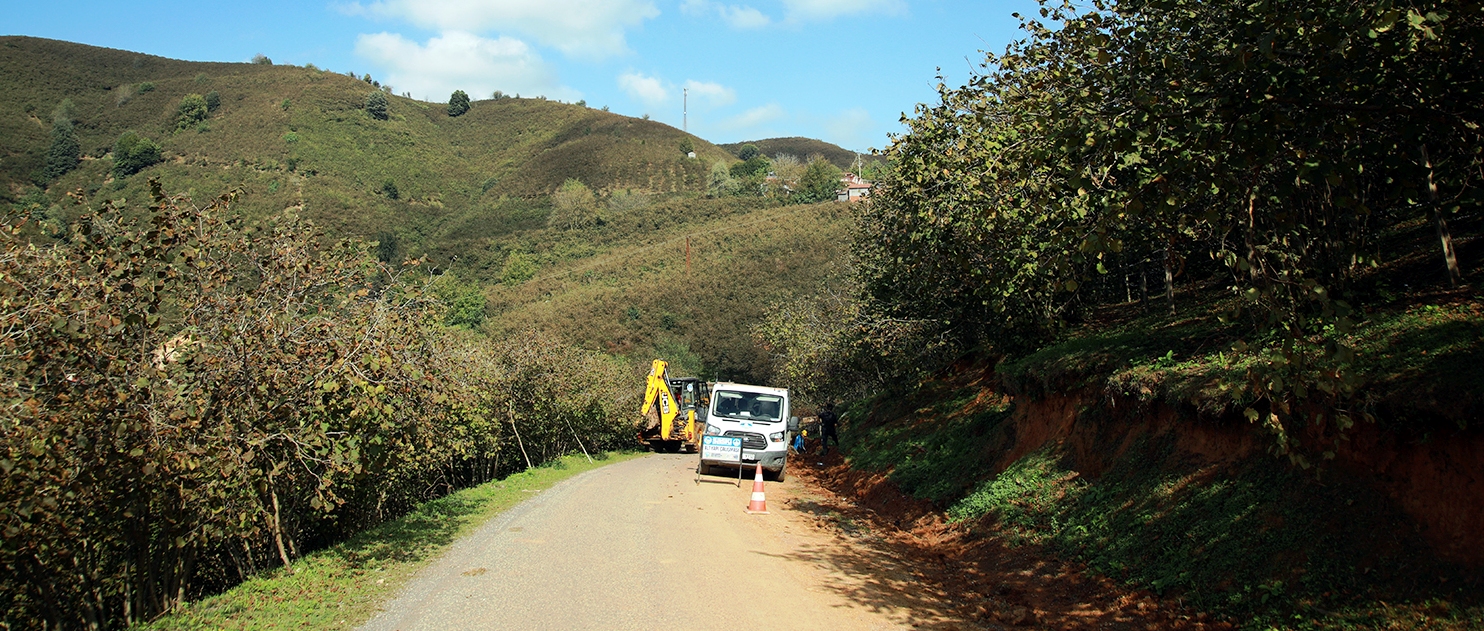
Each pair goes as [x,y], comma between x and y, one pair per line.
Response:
[843,71]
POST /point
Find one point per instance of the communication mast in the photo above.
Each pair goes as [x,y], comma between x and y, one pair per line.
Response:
[685,110]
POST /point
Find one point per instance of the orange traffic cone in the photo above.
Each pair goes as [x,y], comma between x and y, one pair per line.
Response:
[759,503]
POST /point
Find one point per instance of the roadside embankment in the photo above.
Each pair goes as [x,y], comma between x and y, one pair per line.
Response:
[1155,494]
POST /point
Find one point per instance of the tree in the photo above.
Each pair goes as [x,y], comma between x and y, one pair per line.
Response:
[747,152]
[389,188]
[62,154]
[262,60]
[720,182]
[213,100]
[686,146]
[819,183]
[133,153]
[192,109]
[573,206]
[376,105]
[458,103]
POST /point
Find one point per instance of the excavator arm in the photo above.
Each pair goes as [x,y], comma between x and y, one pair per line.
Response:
[657,392]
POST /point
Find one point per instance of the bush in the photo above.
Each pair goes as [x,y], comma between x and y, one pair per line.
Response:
[192,109]
[572,206]
[146,87]
[376,105]
[389,188]
[213,100]
[133,153]
[686,146]
[458,103]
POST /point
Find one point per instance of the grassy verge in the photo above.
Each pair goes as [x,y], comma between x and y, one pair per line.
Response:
[341,587]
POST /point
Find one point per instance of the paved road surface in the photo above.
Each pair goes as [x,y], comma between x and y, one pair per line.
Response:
[583,555]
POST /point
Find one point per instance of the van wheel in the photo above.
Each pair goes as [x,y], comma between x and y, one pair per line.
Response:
[782,473]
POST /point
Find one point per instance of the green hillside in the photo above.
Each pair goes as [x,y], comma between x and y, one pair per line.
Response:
[803,148]
[472,193]
[293,136]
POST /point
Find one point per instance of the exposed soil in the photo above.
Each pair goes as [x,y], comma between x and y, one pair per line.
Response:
[989,585]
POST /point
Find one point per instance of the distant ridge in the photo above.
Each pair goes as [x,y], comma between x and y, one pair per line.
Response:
[803,148]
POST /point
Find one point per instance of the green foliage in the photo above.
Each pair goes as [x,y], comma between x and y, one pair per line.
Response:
[1176,138]
[465,303]
[686,146]
[62,155]
[518,269]
[819,183]
[720,183]
[213,100]
[132,153]
[387,248]
[347,399]
[145,87]
[458,103]
[376,105]
[747,152]
[285,105]
[192,109]
[389,189]
[262,60]
[573,206]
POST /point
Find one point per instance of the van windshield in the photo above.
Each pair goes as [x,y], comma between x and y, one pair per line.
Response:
[749,406]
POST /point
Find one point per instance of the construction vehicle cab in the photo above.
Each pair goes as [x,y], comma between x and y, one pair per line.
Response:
[672,407]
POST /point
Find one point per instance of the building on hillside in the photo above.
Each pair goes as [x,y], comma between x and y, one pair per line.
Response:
[853,188]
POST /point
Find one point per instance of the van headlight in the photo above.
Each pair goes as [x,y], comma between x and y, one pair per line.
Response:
[776,437]
[713,430]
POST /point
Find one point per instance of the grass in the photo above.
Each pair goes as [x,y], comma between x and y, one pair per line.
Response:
[341,587]
[1261,544]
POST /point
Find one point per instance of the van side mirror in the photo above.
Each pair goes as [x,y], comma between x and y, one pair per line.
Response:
[793,423]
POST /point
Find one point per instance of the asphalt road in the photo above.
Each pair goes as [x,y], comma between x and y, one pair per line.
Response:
[640,545]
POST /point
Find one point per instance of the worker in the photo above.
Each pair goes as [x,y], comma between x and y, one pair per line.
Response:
[827,429]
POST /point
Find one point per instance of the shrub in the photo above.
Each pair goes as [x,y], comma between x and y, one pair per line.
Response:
[192,109]
[389,188]
[458,103]
[213,100]
[61,156]
[376,105]
[518,269]
[686,146]
[572,206]
[132,153]
[146,87]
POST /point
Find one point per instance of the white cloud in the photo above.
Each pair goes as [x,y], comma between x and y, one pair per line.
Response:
[711,94]
[826,9]
[650,90]
[582,28]
[461,61]
[744,17]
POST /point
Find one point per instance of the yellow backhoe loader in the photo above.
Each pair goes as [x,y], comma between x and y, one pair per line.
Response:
[670,406]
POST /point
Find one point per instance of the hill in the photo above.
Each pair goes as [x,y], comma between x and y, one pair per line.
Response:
[803,148]
[301,136]
[472,193]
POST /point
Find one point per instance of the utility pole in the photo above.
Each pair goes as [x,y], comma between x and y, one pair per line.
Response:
[685,110]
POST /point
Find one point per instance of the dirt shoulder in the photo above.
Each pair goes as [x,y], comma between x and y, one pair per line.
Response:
[956,577]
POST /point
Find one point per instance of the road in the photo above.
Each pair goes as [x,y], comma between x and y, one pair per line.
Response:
[584,555]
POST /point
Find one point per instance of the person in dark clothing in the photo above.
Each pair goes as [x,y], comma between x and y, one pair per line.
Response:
[827,427]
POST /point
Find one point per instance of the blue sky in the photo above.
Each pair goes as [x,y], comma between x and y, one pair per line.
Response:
[840,70]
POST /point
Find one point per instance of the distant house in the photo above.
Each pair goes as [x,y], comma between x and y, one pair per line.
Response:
[853,188]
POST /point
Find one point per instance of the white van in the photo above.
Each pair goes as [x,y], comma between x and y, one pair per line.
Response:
[760,416]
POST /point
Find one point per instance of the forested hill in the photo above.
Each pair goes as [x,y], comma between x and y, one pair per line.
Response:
[803,148]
